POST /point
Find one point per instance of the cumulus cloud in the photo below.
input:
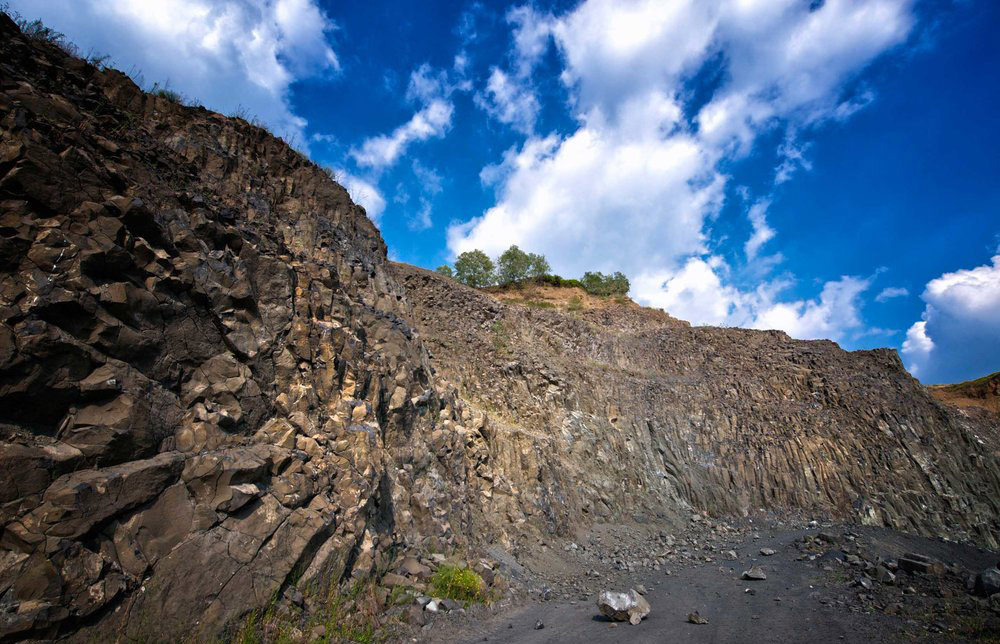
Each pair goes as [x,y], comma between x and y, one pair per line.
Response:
[698,291]
[957,337]
[229,54]
[508,101]
[383,150]
[890,292]
[636,185]
[431,88]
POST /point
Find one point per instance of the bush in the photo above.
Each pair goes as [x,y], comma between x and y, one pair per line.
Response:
[559,282]
[460,584]
[574,304]
[474,268]
[445,270]
[604,285]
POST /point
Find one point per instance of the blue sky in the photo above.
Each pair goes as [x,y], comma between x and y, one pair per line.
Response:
[826,168]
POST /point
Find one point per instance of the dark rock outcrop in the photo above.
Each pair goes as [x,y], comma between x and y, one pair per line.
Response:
[206,381]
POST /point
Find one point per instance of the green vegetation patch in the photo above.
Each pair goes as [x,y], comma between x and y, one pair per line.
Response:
[460,584]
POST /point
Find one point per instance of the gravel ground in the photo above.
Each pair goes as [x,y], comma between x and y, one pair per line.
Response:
[810,595]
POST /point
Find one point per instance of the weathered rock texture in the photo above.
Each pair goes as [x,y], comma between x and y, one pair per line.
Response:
[212,385]
[206,384]
[613,421]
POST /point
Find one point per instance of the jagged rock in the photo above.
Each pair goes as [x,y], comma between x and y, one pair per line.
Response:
[410,566]
[696,618]
[623,607]
[988,582]
[756,573]
[884,575]
[913,562]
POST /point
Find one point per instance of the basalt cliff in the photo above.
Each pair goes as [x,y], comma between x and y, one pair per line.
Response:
[214,386]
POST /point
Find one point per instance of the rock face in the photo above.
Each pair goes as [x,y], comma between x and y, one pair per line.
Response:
[213,386]
[206,378]
[607,421]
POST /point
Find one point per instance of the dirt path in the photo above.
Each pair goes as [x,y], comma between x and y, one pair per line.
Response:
[800,601]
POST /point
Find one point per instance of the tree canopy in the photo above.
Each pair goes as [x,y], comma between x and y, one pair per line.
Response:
[513,266]
[474,268]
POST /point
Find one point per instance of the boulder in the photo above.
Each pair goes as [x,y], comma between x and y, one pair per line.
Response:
[917,563]
[988,582]
[628,607]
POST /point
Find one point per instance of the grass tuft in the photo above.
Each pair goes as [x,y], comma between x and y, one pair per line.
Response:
[460,584]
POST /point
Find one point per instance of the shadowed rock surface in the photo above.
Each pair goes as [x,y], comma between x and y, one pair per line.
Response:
[213,386]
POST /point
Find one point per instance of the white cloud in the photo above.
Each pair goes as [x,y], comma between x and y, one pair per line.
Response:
[891,292]
[226,54]
[698,292]
[430,180]
[430,88]
[793,157]
[421,219]
[531,35]
[832,315]
[363,192]
[958,337]
[508,101]
[382,151]
[762,233]
[636,186]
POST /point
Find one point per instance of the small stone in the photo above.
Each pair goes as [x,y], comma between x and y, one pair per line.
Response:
[539,625]
[639,588]
[756,573]
[696,618]
[884,575]
[767,552]
[731,555]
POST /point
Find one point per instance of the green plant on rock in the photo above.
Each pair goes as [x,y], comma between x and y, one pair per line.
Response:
[574,304]
[445,270]
[460,584]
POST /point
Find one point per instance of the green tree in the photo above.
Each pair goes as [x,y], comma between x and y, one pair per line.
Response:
[537,266]
[474,268]
[513,265]
[445,270]
[619,284]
